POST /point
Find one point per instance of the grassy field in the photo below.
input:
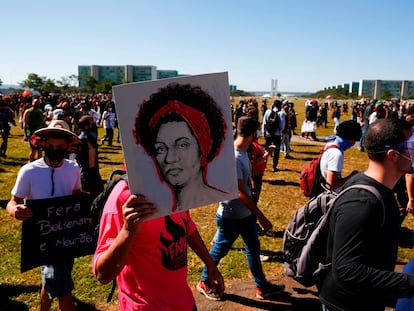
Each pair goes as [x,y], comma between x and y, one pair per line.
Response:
[280,197]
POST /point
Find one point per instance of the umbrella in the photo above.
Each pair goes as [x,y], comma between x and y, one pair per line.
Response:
[328,97]
[266,96]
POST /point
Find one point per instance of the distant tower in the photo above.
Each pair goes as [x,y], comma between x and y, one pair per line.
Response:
[273,88]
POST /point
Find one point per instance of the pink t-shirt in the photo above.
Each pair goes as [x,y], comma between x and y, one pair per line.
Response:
[155,276]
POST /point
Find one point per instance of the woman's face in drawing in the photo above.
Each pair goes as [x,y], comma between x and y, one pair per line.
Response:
[177,153]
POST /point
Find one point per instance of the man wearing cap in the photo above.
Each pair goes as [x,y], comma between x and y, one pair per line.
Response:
[332,160]
[49,177]
[363,232]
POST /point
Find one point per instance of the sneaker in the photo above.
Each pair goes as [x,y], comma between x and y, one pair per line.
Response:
[207,291]
[264,258]
[268,290]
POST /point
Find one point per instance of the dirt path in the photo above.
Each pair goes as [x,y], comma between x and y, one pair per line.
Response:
[240,295]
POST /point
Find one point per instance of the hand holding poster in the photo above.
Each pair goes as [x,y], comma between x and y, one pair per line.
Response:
[59,228]
[177,140]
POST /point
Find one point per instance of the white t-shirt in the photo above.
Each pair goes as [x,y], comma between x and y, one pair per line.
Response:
[36,180]
[332,160]
[108,120]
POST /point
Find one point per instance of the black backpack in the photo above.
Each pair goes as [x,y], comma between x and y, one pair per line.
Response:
[97,207]
[306,237]
[98,203]
[272,123]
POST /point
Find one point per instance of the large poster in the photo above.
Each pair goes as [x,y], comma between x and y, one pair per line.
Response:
[59,228]
[177,140]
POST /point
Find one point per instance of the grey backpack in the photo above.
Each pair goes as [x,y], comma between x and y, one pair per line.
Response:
[305,238]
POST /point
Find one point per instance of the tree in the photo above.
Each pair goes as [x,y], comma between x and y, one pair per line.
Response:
[1,82]
[410,96]
[240,93]
[104,87]
[386,95]
[68,84]
[91,84]
[49,86]
[34,82]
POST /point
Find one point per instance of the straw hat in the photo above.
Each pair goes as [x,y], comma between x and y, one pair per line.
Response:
[38,138]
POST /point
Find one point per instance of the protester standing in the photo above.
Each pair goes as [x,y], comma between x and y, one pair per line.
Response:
[49,177]
[32,121]
[238,217]
[108,123]
[363,232]
[274,138]
[148,257]
[87,157]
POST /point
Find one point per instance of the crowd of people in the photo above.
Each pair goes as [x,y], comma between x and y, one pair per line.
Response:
[148,257]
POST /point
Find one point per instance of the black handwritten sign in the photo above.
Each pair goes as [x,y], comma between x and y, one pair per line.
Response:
[60,228]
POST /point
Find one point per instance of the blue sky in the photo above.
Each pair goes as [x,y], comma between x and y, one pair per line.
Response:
[306,45]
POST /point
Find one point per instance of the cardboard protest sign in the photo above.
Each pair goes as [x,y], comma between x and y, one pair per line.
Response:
[177,140]
[60,228]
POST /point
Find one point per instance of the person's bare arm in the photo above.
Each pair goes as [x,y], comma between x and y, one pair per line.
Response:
[110,263]
[409,180]
[25,120]
[215,278]
[249,203]
[332,181]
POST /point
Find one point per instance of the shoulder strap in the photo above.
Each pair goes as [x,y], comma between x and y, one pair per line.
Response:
[320,179]
[329,147]
[368,188]
[114,173]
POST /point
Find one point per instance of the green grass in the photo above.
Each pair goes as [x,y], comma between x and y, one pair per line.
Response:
[280,197]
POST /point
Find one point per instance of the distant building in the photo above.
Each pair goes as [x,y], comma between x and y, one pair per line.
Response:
[376,88]
[122,74]
[162,74]
[354,87]
[273,88]
[126,74]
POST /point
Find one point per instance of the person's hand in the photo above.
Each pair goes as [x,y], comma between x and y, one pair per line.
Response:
[136,210]
[271,149]
[265,223]
[21,212]
[215,280]
[410,206]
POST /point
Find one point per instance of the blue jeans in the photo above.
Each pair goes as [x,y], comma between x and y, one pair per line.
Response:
[228,231]
[364,130]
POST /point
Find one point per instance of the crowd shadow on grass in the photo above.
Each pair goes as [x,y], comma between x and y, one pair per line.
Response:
[9,291]
[83,306]
[112,163]
[282,302]
[13,162]
[3,203]
[282,183]
[273,256]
